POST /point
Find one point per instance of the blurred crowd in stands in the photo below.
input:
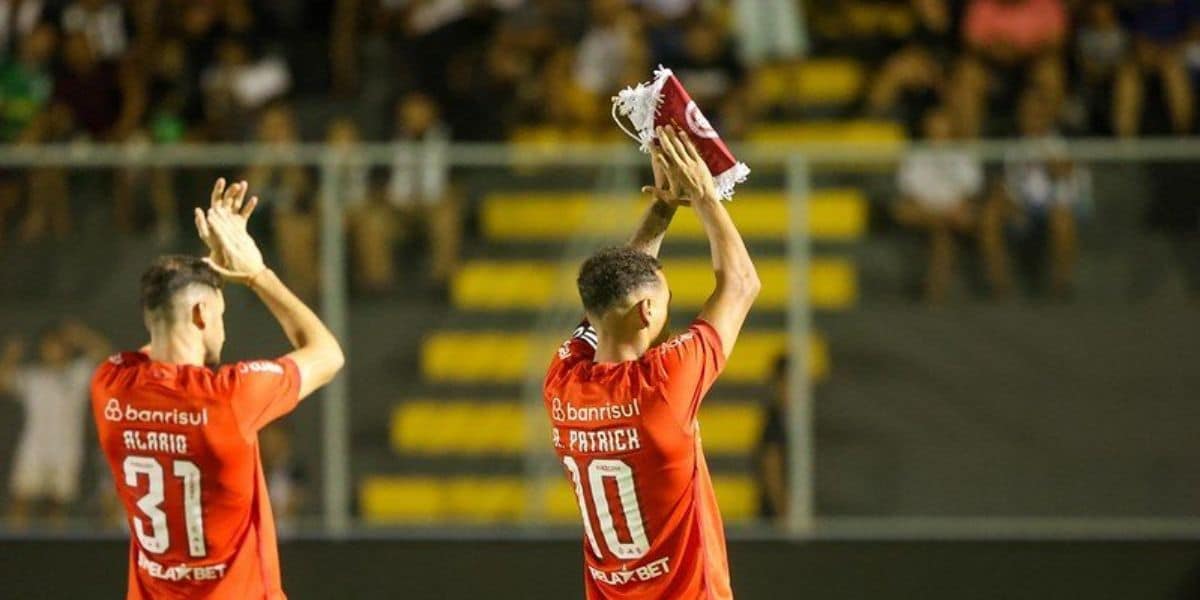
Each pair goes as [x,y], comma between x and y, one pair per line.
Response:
[145,72]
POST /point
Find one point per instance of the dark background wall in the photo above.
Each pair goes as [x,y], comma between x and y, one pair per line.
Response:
[498,570]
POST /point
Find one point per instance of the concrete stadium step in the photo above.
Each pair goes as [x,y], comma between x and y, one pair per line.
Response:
[509,356]
[421,500]
[811,83]
[447,426]
[504,285]
[838,215]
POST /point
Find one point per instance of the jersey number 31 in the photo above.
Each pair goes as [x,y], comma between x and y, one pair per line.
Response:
[156,538]
[597,471]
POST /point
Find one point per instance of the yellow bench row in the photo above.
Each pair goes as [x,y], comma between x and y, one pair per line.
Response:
[510,357]
[833,215]
[859,131]
[538,141]
[521,284]
[416,500]
[818,82]
[441,427]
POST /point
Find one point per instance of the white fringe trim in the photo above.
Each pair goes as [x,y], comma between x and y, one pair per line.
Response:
[729,178]
[640,105]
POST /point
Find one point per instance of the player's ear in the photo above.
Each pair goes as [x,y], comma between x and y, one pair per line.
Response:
[645,310]
[198,315]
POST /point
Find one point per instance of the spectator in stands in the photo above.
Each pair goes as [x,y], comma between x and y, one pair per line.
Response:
[1038,207]
[238,85]
[104,101]
[103,22]
[369,220]
[712,73]
[1160,30]
[936,188]
[769,30]
[19,18]
[287,190]
[771,451]
[419,185]
[917,69]
[53,393]
[612,50]
[1010,44]
[1100,47]
[26,83]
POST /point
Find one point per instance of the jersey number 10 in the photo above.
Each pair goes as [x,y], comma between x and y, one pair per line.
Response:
[156,539]
[620,471]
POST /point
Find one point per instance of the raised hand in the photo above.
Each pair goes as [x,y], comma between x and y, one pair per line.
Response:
[241,260]
[663,189]
[231,199]
[686,172]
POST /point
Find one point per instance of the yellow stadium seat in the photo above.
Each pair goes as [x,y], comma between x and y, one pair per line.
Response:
[509,357]
[456,427]
[772,84]
[834,215]
[504,285]
[858,131]
[826,82]
[416,500]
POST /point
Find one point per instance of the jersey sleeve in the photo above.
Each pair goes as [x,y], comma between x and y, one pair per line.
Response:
[260,391]
[689,364]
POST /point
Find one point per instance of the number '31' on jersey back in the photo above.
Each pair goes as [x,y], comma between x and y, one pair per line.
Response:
[627,436]
[182,443]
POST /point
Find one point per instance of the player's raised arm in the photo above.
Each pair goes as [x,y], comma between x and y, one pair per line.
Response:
[737,280]
[653,227]
[237,258]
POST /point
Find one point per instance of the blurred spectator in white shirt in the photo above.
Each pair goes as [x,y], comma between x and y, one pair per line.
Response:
[1038,206]
[103,22]
[609,48]
[419,185]
[936,187]
[18,18]
[54,393]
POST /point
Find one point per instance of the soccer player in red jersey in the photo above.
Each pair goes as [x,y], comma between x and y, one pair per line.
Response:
[181,434]
[623,410]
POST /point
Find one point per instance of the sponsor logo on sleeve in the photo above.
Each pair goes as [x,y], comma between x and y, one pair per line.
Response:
[261,366]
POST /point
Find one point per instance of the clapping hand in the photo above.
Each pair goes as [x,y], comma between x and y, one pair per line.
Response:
[233,253]
[687,175]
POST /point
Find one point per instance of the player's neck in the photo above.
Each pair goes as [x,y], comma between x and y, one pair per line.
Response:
[610,349]
[176,349]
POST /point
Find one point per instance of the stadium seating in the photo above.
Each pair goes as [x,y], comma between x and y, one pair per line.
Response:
[417,500]
[835,215]
[504,357]
[812,83]
[480,427]
[876,133]
[519,284]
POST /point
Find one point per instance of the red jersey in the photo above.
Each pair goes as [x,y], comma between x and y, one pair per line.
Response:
[182,443]
[629,443]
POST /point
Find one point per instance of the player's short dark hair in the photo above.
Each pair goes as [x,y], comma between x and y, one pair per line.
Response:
[172,274]
[611,274]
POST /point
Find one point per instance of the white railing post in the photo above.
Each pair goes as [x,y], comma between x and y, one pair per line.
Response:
[335,423]
[801,508]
